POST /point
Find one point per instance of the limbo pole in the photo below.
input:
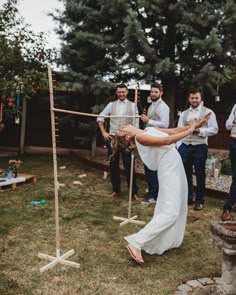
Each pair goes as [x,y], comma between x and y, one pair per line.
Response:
[54,260]
[133,218]
[58,258]
[92,115]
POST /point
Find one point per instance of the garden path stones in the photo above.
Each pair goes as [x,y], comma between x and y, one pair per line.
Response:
[203,286]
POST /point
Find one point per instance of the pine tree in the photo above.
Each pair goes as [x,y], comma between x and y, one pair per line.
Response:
[180,43]
[93,50]
[191,43]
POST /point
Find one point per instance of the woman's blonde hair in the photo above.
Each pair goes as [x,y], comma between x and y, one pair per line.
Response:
[120,144]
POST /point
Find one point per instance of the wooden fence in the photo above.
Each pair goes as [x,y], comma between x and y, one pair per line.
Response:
[38,128]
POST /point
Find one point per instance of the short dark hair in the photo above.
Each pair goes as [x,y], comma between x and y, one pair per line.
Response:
[194,90]
[157,85]
[122,85]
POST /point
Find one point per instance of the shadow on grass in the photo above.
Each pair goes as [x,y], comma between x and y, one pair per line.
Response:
[10,286]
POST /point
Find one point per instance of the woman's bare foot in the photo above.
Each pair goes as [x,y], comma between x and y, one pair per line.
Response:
[135,253]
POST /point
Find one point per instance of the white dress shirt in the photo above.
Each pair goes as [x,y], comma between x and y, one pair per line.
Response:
[209,130]
[121,110]
[163,111]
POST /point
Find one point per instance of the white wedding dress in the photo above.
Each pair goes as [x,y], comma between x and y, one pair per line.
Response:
[166,229]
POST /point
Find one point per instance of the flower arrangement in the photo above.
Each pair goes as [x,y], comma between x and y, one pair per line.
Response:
[13,166]
[16,163]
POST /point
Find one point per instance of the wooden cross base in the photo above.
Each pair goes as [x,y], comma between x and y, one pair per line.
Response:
[59,259]
[128,220]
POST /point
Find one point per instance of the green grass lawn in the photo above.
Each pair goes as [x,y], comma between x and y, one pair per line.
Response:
[87,226]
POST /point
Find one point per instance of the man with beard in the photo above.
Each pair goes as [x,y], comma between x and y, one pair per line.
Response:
[157,116]
[123,107]
[193,148]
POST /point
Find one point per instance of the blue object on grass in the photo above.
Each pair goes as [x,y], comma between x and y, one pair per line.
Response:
[34,202]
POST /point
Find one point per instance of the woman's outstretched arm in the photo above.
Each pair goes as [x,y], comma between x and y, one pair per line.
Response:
[148,140]
[176,130]
[176,134]
[172,131]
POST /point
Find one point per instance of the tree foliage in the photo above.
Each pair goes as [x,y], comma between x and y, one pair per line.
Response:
[181,43]
[23,58]
[188,42]
[94,51]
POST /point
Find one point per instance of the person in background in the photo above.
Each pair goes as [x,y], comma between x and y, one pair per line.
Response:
[122,106]
[231,199]
[157,116]
[193,148]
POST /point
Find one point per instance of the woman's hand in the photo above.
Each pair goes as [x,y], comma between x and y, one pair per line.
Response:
[192,125]
[202,121]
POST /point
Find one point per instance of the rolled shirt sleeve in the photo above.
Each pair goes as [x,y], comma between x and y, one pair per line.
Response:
[106,112]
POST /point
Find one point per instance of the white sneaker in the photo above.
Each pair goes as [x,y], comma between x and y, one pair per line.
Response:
[148,201]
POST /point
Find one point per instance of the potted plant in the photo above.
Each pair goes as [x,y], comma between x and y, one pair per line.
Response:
[12,168]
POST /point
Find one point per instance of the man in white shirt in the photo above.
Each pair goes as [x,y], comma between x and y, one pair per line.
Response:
[231,199]
[122,106]
[157,116]
[193,148]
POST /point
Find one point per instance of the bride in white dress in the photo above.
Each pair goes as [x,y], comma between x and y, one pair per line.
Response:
[157,150]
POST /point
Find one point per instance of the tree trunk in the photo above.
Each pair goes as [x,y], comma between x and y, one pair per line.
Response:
[94,144]
[23,126]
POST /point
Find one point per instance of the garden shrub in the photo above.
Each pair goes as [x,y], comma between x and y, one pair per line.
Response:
[226,167]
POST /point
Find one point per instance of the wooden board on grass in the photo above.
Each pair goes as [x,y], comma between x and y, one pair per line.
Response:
[19,180]
[29,178]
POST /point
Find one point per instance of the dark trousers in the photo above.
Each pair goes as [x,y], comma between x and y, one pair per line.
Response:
[231,199]
[152,181]
[195,156]
[115,169]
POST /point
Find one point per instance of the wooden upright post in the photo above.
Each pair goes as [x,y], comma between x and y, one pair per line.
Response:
[58,258]
[131,219]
